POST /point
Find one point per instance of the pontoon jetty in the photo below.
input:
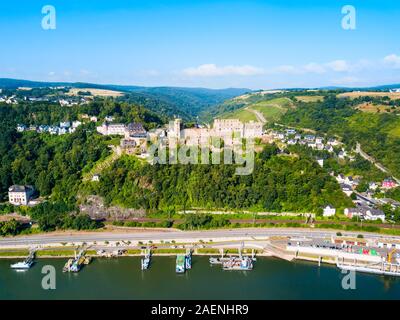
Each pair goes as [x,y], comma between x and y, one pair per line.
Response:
[145,262]
[75,265]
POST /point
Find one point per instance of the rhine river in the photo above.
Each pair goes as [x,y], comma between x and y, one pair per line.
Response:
[121,278]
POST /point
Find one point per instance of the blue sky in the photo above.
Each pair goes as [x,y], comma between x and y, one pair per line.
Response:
[216,44]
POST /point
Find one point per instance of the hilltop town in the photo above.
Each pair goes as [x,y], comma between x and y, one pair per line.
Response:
[357,194]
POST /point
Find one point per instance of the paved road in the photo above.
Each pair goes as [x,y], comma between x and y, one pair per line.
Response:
[172,235]
[373,161]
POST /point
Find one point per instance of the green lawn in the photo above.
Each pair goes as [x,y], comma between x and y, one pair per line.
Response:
[310,98]
[241,114]
[272,109]
[15,253]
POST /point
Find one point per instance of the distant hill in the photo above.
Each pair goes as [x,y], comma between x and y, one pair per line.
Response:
[243,106]
[178,101]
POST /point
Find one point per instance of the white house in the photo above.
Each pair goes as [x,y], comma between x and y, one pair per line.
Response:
[76,124]
[65,124]
[341,155]
[329,211]
[62,130]
[373,186]
[333,142]
[319,140]
[20,195]
[374,214]
[347,189]
[349,180]
[112,129]
[329,148]
[366,213]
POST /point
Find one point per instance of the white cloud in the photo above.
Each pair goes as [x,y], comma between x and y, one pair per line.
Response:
[338,65]
[51,73]
[314,68]
[350,68]
[392,60]
[286,69]
[212,70]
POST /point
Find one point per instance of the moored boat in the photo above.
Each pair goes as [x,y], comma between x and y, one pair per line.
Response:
[22,265]
[180,263]
[145,262]
[240,264]
[188,260]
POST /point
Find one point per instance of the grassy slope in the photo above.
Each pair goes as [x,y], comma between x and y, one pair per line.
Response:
[271,109]
[241,114]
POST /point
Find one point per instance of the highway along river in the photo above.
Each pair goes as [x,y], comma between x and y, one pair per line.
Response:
[122,278]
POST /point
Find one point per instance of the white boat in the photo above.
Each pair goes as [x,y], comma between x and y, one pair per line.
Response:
[188,261]
[145,262]
[22,264]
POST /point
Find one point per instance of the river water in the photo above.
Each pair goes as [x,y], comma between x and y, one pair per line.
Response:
[121,278]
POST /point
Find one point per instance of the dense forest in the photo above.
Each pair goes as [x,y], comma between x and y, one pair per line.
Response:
[54,165]
[278,183]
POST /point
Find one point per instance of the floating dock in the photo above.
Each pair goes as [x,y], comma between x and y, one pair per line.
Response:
[387,269]
[238,264]
[214,260]
[145,262]
[235,263]
[180,263]
[75,265]
[188,259]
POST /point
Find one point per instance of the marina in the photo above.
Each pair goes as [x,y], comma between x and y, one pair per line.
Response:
[379,257]
[120,279]
[376,263]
